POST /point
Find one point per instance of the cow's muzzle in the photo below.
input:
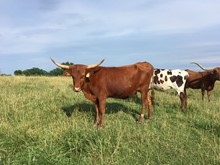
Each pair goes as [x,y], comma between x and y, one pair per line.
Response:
[77,89]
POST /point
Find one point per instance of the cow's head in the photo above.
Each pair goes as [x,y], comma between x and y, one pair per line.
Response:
[77,72]
[214,71]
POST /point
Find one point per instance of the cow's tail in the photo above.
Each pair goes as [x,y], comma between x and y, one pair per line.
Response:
[152,90]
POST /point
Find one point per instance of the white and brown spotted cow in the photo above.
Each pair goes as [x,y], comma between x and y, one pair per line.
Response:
[165,79]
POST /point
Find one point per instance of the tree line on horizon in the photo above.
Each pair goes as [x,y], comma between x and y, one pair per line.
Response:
[40,72]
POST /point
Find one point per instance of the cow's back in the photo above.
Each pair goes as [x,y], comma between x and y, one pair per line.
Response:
[121,82]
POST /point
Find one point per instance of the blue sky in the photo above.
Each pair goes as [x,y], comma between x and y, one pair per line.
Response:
[169,34]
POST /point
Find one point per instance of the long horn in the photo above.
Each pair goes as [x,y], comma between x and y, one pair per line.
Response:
[95,65]
[206,69]
[60,65]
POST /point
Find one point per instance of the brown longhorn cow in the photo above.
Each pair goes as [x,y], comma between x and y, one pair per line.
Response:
[99,83]
[203,80]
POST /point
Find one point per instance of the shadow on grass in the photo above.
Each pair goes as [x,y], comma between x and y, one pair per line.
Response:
[209,128]
[110,108]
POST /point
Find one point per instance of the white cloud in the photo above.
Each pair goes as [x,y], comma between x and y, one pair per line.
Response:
[163,27]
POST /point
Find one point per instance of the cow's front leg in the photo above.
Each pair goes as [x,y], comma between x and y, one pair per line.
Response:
[96,121]
[203,93]
[96,103]
[102,106]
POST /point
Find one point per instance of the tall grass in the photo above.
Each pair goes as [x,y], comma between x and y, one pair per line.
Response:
[42,121]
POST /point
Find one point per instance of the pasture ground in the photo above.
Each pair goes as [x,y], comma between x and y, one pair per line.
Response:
[42,121]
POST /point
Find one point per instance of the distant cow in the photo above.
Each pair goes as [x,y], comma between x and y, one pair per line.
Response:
[203,80]
[165,79]
[98,83]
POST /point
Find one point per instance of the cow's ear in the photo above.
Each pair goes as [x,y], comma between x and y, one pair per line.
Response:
[215,71]
[67,73]
[90,72]
[87,74]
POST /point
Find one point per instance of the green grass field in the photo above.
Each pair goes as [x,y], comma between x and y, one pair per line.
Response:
[42,121]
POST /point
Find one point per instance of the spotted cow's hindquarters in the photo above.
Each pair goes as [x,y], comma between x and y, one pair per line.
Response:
[165,79]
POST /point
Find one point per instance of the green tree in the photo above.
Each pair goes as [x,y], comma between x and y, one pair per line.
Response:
[56,72]
[40,72]
[18,72]
[35,72]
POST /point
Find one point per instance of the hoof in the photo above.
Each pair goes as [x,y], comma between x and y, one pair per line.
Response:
[95,125]
[149,118]
[182,109]
[138,121]
[99,128]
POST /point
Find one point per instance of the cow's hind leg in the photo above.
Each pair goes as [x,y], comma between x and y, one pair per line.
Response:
[183,99]
[150,107]
[145,99]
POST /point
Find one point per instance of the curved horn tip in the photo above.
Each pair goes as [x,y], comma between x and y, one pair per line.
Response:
[206,69]
[60,65]
[102,61]
[193,63]
[95,65]
[51,59]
